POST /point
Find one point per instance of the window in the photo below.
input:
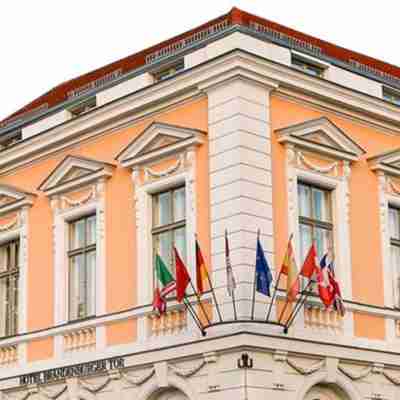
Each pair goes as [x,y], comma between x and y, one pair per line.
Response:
[82,267]
[83,107]
[168,71]
[9,139]
[307,66]
[9,275]
[315,219]
[394,229]
[391,95]
[169,225]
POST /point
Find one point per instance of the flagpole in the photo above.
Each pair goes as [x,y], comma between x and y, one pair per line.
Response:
[255,278]
[299,304]
[200,303]
[212,288]
[197,321]
[273,296]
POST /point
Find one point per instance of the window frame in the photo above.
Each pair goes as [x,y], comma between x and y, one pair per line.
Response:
[315,223]
[71,253]
[171,227]
[388,92]
[297,61]
[16,273]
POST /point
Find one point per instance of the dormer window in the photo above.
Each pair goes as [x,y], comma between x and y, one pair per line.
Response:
[391,95]
[169,70]
[83,107]
[308,66]
[10,139]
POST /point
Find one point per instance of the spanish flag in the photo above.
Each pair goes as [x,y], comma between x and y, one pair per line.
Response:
[201,269]
[289,268]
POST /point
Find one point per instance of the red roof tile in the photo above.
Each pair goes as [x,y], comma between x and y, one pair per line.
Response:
[235,17]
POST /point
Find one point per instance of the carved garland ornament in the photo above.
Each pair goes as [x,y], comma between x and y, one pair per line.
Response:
[317,168]
[394,187]
[355,375]
[168,171]
[82,200]
[53,395]
[138,380]
[185,373]
[94,388]
[306,370]
[10,225]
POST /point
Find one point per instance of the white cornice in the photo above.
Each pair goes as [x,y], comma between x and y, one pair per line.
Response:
[190,84]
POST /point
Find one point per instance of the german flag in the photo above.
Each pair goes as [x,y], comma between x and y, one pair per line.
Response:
[201,269]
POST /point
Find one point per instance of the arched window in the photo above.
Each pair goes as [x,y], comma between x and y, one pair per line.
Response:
[169,394]
[326,392]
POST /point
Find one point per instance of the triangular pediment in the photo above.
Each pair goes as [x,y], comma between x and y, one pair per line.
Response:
[388,162]
[12,198]
[73,172]
[322,136]
[158,140]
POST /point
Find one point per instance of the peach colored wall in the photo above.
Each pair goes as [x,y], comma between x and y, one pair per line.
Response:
[369,326]
[120,218]
[41,349]
[367,273]
[121,332]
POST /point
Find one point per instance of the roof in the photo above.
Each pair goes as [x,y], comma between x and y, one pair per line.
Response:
[236,17]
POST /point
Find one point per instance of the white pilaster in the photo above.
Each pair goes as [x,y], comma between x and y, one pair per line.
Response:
[240,184]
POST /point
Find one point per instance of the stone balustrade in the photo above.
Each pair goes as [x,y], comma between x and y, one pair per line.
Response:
[8,355]
[172,322]
[316,317]
[80,339]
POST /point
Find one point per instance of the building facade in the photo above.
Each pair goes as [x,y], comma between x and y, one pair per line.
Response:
[239,125]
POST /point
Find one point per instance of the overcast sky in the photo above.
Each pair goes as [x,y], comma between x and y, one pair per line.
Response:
[44,43]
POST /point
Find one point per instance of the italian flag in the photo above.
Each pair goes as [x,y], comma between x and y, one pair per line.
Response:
[166,284]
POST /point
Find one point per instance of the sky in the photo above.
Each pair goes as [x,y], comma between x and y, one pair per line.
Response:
[44,43]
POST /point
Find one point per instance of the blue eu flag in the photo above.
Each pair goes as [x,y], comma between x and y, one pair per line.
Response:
[263,273]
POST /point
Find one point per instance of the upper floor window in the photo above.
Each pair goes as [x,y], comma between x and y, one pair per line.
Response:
[83,106]
[391,95]
[307,66]
[9,275]
[82,267]
[169,70]
[394,228]
[10,138]
[169,225]
[315,219]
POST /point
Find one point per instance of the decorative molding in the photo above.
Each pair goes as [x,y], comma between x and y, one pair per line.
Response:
[139,380]
[355,375]
[305,370]
[94,388]
[393,186]
[11,224]
[391,378]
[52,394]
[92,171]
[82,200]
[168,171]
[158,141]
[316,168]
[187,372]
[321,136]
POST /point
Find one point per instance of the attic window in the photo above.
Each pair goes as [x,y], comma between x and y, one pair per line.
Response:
[307,66]
[10,139]
[168,71]
[83,107]
[391,95]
